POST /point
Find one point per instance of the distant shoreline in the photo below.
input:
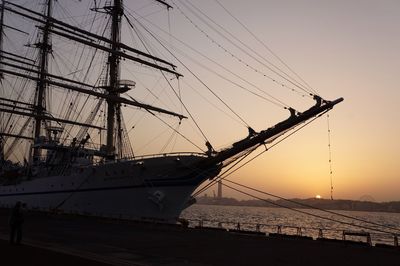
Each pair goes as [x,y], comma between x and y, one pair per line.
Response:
[327,204]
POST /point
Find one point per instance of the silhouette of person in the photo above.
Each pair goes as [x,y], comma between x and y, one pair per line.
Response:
[16,221]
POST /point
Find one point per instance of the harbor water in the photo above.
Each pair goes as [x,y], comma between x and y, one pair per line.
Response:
[270,220]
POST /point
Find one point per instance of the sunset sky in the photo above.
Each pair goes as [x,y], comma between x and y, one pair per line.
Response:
[347,49]
[342,48]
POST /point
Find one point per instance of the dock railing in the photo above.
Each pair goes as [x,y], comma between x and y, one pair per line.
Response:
[359,234]
[319,233]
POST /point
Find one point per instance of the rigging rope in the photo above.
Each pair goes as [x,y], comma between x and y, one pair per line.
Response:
[198,79]
[191,72]
[330,155]
[314,207]
[278,102]
[171,138]
[212,104]
[240,60]
[176,94]
[75,98]
[266,47]
[275,71]
[227,173]
[168,125]
[316,215]
[222,177]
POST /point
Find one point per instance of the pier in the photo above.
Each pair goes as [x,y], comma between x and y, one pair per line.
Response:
[80,240]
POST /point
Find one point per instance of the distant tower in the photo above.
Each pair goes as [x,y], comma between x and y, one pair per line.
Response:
[219,189]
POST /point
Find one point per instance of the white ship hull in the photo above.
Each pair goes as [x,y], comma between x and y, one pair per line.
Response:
[150,189]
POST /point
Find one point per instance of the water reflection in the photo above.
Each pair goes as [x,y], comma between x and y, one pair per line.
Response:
[269,219]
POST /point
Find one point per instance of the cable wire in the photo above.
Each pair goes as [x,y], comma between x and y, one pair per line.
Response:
[221,177]
[194,75]
[330,155]
[314,207]
[310,214]
[244,62]
[278,102]
[266,47]
[276,69]
[179,98]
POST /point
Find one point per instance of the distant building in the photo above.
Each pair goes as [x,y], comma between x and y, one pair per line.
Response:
[219,189]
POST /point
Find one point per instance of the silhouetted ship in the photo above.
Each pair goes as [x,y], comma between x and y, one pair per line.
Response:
[53,118]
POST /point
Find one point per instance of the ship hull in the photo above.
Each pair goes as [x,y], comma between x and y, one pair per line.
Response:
[156,188]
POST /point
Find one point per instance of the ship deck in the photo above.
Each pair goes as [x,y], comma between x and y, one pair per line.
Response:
[50,239]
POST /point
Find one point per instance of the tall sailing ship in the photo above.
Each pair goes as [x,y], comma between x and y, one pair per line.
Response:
[64,143]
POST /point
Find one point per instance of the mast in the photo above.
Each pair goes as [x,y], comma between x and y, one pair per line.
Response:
[1,37]
[114,72]
[1,78]
[45,49]
[23,67]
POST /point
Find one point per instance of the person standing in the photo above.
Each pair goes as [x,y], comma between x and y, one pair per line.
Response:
[16,221]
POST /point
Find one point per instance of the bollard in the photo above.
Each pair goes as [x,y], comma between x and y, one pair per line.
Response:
[257,228]
[320,234]
[369,241]
[279,229]
[299,233]
[396,241]
[238,226]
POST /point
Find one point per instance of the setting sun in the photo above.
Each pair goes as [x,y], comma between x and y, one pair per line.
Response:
[318,196]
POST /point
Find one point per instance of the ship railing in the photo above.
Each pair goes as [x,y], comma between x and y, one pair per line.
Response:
[289,230]
[173,154]
[42,159]
[158,155]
